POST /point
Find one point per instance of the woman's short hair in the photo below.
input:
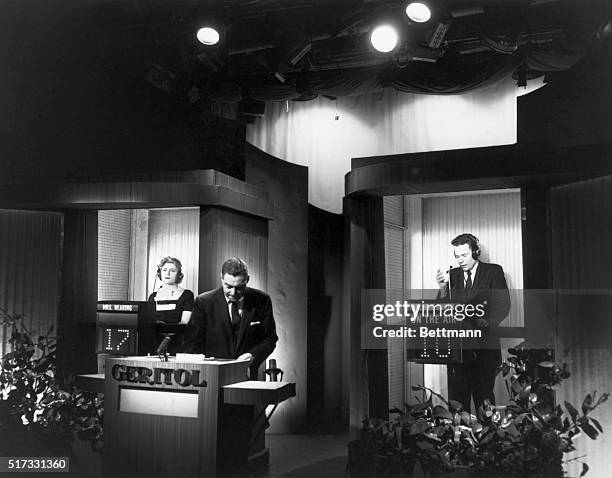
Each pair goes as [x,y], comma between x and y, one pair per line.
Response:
[177,264]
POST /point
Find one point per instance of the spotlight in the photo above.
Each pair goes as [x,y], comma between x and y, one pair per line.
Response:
[384,38]
[208,36]
[418,12]
[604,30]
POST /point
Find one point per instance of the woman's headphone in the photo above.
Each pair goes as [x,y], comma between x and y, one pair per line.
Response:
[176,262]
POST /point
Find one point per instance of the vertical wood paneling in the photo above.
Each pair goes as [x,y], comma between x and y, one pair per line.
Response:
[176,233]
[228,234]
[30,264]
[136,443]
[114,232]
[394,277]
[139,255]
[581,221]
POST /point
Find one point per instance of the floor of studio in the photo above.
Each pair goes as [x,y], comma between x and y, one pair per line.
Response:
[307,455]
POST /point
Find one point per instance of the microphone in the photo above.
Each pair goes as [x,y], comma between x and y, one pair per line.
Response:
[163,345]
[273,372]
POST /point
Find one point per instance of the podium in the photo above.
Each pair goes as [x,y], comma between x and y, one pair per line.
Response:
[170,416]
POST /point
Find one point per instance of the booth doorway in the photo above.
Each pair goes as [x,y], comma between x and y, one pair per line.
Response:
[418,231]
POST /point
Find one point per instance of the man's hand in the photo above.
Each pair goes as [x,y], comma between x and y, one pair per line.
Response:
[482,323]
[442,280]
[247,357]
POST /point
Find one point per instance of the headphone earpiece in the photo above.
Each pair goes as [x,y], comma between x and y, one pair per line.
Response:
[476,251]
[472,242]
[177,263]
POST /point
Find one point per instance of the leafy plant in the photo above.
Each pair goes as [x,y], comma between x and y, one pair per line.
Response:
[36,398]
[526,438]
[533,433]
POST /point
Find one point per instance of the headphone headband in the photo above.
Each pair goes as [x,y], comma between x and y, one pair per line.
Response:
[176,262]
[471,240]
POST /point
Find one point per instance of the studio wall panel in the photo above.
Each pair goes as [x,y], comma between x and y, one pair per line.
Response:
[581,217]
[287,283]
[114,227]
[225,234]
[395,252]
[30,265]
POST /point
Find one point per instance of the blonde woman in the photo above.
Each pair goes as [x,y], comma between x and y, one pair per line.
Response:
[173,304]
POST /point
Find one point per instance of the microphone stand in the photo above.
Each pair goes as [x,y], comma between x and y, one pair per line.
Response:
[273,372]
[162,350]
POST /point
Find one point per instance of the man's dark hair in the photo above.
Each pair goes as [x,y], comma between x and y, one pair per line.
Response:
[470,240]
[234,266]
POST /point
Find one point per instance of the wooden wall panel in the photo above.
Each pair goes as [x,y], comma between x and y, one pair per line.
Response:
[225,234]
[114,228]
[30,264]
[581,217]
[395,255]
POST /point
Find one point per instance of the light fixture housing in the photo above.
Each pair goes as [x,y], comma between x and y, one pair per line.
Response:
[384,38]
[418,12]
[208,36]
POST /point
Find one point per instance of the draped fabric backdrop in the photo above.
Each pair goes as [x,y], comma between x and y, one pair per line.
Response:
[324,134]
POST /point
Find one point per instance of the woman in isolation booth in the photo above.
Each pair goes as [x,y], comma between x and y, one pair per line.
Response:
[173,304]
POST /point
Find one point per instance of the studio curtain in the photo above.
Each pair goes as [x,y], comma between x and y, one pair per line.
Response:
[324,134]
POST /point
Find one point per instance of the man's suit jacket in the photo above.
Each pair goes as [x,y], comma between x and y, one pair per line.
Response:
[210,332]
[489,288]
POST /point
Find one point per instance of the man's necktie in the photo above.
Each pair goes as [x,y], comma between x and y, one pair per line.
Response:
[468,281]
[235,316]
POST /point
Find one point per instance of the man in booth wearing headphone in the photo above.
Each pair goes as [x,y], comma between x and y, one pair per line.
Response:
[475,282]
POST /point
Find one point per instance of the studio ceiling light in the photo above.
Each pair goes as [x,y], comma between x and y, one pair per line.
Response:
[384,38]
[208,36]
[418,12]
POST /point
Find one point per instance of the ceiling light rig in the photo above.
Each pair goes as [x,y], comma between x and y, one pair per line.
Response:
[208,36]
[384,38]
[418,12]
[389,30]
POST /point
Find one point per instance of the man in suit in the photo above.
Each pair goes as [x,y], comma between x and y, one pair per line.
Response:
[475,282]
[233,321]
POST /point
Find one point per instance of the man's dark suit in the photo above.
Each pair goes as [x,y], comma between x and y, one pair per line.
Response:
[210,332]
[476,376]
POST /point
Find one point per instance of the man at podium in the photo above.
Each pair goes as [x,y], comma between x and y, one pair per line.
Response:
[233,321]
[478,283]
